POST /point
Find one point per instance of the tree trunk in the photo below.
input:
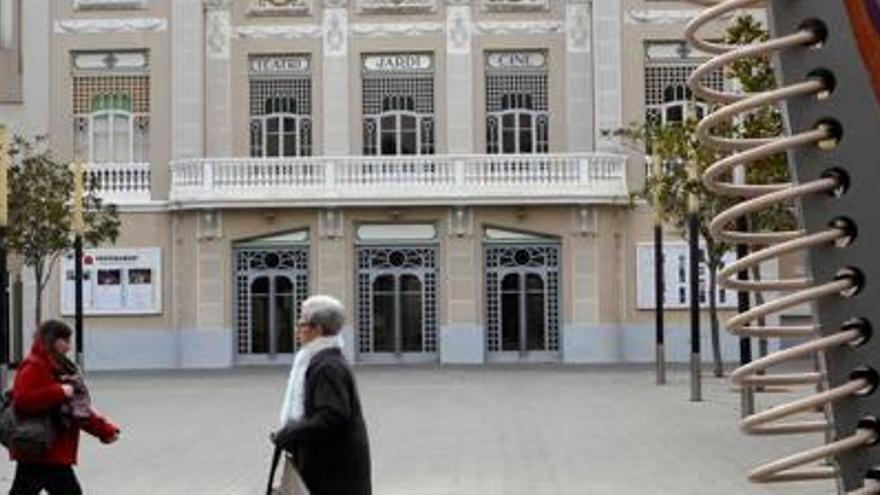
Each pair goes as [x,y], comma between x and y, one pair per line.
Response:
[38,294]
[713,315]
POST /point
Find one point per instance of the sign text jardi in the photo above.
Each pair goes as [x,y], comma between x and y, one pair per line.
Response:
[397,62]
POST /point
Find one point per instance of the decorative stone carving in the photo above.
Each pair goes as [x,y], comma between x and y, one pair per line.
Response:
[519,27]
[216,4]
[111,26]
[335,30]
[515,5]
[661,16]
[109,4]
[280,7]
[331,224]
[281,31]
[210,225]
[396,6]
[458,29]
[585,220]
[396,29]
[218,31]
[577,28]
[461,221]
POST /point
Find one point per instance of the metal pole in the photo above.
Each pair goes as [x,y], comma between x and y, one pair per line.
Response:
[659,285]
[78,297]
[694,242]
[658,302]
[78,229]
[747,394]
[5,163]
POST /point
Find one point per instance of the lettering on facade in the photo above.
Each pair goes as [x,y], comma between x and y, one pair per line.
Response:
[279,64]
[518,60]
[398,62]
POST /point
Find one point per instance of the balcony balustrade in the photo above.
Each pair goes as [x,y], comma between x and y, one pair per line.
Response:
[426,179]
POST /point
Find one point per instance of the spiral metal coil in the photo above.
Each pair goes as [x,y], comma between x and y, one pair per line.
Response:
[768,245]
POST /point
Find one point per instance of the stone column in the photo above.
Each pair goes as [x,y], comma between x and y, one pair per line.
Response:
[218,78]
[578,81]
[584,339]
[333,269]
[607,40]
[335,79]
[462,337]
[187,37]
[459,78]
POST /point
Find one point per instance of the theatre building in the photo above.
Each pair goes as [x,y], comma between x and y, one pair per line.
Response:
[446,168]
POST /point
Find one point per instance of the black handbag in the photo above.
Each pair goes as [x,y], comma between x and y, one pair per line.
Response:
[31,436]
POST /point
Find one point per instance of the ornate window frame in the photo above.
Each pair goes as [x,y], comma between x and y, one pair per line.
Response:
[289,87]
[112,87]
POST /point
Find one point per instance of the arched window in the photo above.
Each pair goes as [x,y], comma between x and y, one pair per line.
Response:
[517,127]
[281,130]
[399,129]
[280,108]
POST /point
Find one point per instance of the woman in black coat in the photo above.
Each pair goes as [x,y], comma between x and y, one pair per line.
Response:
[324,428]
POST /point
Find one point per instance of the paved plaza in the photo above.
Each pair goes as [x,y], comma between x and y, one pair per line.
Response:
[480,431]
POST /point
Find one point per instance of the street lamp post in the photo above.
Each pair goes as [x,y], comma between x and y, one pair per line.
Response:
[78,224]
[5,163]
[657,169]
[694,262]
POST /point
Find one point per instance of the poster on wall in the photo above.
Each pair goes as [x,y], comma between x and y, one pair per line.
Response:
[676,277]
[115,282]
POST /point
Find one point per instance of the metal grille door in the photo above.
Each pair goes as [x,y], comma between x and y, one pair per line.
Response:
[522,298]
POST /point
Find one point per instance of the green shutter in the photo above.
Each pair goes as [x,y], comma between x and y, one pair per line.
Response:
[112,101]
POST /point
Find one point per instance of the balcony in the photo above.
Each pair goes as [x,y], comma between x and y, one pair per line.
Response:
[399,180]
[120,183]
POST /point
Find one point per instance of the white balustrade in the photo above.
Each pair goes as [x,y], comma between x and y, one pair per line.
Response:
[412,179]
[120,183]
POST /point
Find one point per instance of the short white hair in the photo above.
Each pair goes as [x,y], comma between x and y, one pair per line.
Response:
[325,312]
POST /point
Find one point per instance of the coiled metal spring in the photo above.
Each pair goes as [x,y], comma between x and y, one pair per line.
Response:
[768,245]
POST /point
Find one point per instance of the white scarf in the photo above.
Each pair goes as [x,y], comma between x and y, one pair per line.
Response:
[292,408]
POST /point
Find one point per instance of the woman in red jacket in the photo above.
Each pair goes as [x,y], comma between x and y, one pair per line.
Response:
[44,384]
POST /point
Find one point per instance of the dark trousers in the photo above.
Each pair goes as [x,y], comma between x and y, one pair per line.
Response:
[32,478]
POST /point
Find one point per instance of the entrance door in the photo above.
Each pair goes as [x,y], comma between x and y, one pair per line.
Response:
[397,314]
[271,283]
[523,322]
[273,315]
[397,308]
[522,301]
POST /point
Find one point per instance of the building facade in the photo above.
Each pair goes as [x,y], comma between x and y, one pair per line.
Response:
[447,168]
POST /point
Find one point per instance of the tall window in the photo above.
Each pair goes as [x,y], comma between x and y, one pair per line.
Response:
[111,105]
[517,114]
[280,106]
[398,104]
[667,69]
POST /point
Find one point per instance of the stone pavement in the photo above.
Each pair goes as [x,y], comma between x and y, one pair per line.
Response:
[472,431]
